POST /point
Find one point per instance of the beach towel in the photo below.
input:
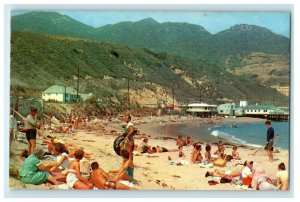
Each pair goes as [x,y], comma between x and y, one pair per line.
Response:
[127,183]
[63,186]
[220,162]
[179,163]
[202,165]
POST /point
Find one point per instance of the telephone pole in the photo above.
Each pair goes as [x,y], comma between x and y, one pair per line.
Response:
[128,91]
[77,83]
[173,98]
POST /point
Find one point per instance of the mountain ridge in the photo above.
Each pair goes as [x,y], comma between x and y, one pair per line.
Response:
[189,40]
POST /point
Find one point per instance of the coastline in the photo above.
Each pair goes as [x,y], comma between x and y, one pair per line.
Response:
[152,171]
[173,128]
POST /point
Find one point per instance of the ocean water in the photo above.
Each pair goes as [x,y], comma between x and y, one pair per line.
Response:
[252,134]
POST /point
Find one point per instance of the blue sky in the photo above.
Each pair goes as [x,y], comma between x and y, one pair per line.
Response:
[278,22]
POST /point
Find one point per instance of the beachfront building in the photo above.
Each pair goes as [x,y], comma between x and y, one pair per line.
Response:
[227,109]
[269,111]
[202,109]
[60,93]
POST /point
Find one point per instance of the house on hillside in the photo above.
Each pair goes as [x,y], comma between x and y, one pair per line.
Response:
[60,93]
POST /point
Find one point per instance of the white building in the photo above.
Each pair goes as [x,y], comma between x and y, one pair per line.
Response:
[60,93]
[262,110]
[243,103]
[202,109]
[227,109]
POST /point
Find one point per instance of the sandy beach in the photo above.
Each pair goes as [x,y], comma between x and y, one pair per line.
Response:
[155,171]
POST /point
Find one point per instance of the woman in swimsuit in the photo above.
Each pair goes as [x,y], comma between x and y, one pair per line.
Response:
[197,156]
[74,179]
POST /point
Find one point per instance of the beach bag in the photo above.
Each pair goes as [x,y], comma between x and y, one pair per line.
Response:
[220,162]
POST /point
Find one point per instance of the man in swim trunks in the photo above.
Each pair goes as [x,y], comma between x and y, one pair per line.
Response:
[101,179]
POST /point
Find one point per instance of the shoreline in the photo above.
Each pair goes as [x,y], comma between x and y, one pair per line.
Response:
[172,129]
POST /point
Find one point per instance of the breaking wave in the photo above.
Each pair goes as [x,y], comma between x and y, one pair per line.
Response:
[231,139]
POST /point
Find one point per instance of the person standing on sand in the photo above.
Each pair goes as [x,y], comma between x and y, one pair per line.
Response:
[129,132]
[270,141]
[31,125]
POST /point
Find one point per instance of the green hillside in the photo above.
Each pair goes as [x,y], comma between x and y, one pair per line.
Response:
[38,61]
[224,49]
[51,23]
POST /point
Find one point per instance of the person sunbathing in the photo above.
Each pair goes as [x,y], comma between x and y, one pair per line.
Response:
[181,154]
[70,151]
[74,178]
[189,141]
[261,180]
[282,177]
[62,162]
[235,154]
[100,179]
[221,150]
[220,173]
[144,147]
[159,149]
[180,141]
[208,156]
[196,155]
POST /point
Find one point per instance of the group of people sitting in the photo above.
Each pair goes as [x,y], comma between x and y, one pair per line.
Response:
[68,168]
[256,177]
[251,176]
[218,157]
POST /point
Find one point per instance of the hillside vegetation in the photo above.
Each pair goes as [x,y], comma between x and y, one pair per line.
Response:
[224,49]
[39,60]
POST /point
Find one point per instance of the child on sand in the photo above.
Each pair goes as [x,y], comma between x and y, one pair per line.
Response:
[180,141]
[144,147]
[189,141]
[235,154]
[127,169]
[221,150]
[102,180]
[181,154]
[74,179]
